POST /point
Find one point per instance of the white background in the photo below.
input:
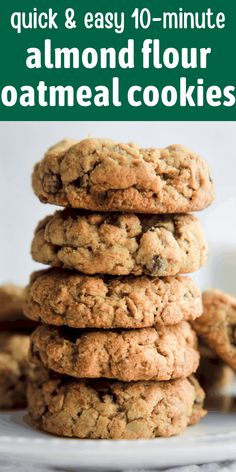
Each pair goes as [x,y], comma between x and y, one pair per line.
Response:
[23,144]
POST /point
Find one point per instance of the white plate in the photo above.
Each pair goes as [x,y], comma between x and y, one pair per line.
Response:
[214,439]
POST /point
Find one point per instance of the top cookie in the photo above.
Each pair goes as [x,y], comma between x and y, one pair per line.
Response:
[217,325]
[102,175]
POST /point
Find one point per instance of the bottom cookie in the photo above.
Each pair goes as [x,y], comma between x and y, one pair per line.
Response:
[102,409]
[14,368]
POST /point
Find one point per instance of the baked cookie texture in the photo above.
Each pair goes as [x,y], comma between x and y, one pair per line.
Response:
[145,354]
[102,409]
[61,297]
[11,302]
[103,175]
[217,325]
[120,244]
[14,368]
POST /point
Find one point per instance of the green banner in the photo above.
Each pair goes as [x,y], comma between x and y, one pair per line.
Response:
[120,60]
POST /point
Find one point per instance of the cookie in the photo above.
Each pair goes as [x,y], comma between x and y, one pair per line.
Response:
[213,374]
[11,310]
[14,369]
[220,402]
[103,409]
[60,297]
[216,378]
[119,244]
[11,302]
[217,325]
[102,175]
[145,354]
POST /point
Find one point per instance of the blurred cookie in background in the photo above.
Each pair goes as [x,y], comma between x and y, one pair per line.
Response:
[217,325]
[216,378]
[11,310]
[11,301]
[14,346]
[14,368]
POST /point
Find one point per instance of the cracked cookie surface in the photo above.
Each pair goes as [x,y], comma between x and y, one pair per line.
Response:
[14,368]
[217,325]
[102,409]
[59,297]
[120,244]
[102,175]
[144,354]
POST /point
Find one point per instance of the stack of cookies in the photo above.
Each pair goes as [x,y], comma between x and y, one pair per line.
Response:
[115,342]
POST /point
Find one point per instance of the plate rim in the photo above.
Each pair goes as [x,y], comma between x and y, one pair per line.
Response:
[201,448]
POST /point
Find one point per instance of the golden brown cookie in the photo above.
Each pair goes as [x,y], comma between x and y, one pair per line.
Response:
[103,409]
[11,302]
[61,297]
[14,368]
[11,310]
[144,354]
[217,325]
[102,175]
[120,244]
[213,374]
[215,377]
